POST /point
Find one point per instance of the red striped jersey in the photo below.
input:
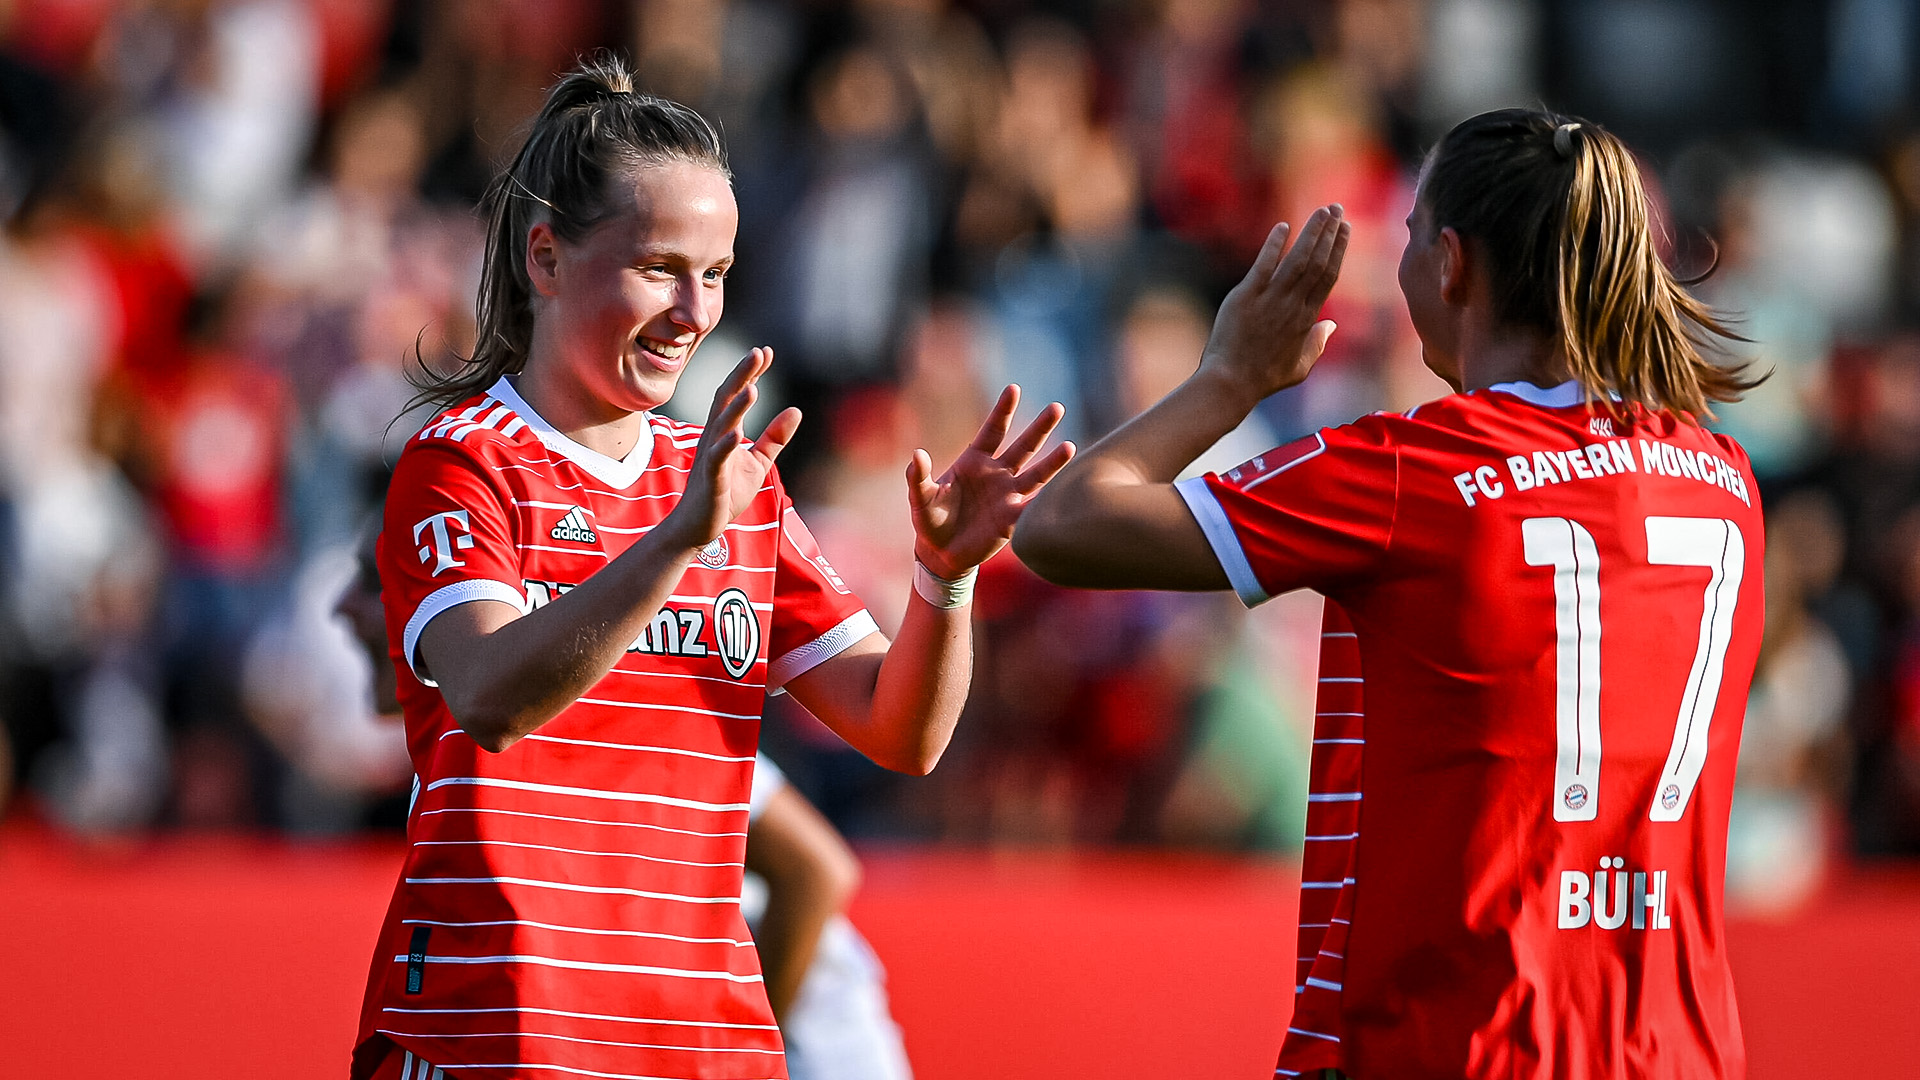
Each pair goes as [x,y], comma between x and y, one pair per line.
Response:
[1557,614]
[1327,882]
[571,906]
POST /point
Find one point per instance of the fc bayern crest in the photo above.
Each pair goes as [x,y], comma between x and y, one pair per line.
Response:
[736,629]
[714,555]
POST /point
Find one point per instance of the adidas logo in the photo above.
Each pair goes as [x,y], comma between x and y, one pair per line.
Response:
[574,527]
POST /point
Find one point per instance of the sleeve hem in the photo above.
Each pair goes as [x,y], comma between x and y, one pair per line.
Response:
[460,592]
[821,649]
[1206,510]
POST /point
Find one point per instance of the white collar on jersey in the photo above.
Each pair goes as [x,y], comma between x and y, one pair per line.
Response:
[613,472]
[1560,397]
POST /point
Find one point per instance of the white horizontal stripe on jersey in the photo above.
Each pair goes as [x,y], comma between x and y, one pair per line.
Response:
[1317,1034]
[851,631]
[1339,633]
[585,793]
[761,527]
[676,675]
[1325,839]
[1339,714]
[1220,536]
[1286,1072]
[588,965]
[1340,742]
[1335,955]
[570,1070]
[573,1039]
[619,531]
[1342,922]
[595,552]
[690,599]
[1314,925]
[674,750]
[1334,796]
[667,708]
[1343,679]
[568,886]
[538,505]
[1326,884]
[574,851]
[603,492]
[559,929]
[586,1016]
[453,595]
[575,820]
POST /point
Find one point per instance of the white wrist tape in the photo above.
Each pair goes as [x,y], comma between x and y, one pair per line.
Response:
[940,592]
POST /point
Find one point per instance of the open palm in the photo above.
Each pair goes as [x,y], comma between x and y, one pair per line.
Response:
[966,515]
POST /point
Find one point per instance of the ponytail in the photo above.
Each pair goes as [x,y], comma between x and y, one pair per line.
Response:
[1558,207]
[592,127]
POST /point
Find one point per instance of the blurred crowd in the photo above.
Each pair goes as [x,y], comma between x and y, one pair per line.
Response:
[232,226]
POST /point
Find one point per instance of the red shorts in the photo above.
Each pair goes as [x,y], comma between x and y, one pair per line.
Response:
[402,1065]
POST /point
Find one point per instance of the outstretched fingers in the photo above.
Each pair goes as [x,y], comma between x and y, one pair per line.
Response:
[1268,261]
[738,382]
[1023,447]
[993,431]
[1045,469]
[1303,261]
[778,434]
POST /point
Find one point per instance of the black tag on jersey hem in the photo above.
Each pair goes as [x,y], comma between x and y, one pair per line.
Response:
[417,958]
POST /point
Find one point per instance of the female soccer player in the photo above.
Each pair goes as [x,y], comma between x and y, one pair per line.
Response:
[1552,579]
[589,602]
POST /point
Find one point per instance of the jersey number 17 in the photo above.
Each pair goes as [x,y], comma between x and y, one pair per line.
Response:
[1567,546]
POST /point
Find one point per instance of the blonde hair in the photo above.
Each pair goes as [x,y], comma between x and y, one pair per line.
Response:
[593,126]
[1557,205]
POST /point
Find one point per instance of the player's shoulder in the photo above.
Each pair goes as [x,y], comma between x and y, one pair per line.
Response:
[480,426]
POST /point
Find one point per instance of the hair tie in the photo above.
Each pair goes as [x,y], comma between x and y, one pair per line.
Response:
[1563,139]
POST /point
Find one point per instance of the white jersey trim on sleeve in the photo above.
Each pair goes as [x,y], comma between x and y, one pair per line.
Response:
[460,592]
[821,649]
[1226,546]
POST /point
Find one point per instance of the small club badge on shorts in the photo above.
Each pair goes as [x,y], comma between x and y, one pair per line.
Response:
[714,555]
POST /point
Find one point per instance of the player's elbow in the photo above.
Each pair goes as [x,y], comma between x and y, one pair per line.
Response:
[1043,540]
[491,729]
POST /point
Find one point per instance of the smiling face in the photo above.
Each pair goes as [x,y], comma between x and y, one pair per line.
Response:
[621,310]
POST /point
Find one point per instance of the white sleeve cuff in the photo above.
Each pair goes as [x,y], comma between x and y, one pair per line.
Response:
[1226,546]
[460,592]
[821,649]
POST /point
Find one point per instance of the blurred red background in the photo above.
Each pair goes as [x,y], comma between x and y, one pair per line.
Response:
[208,956]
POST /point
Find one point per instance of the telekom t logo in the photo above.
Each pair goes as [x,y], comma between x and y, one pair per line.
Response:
[444,544]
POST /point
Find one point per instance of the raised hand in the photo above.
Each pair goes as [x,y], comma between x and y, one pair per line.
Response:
[1269,331]
[728,471]
[964,517]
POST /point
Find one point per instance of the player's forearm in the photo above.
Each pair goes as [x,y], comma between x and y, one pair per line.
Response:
[503,684]
[923,684]
[1111,519]
[899,707]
